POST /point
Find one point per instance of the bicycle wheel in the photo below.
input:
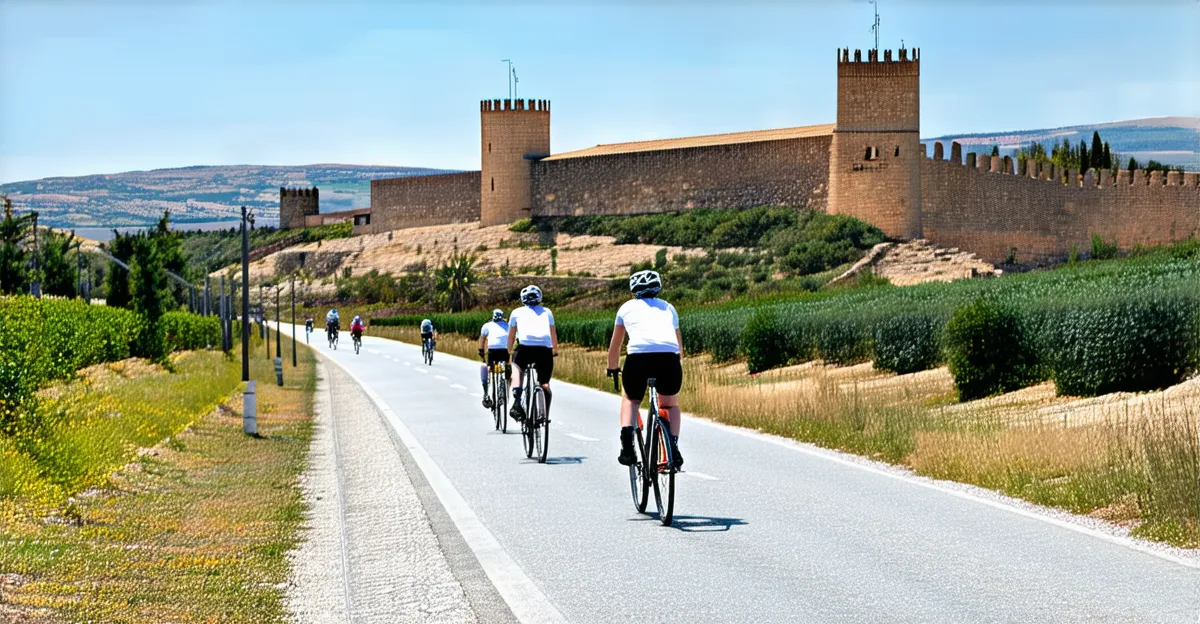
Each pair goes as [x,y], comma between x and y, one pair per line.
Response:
[496,393]
[542,425]
[663,471]
[639,485]
[527,432]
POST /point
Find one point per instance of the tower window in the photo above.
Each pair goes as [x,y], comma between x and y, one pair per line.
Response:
[897,154]
[493,184]
[489,148]
[872,153]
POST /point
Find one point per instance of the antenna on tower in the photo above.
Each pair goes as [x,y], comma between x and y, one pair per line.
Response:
[875,27]
[515,81]
[511,75]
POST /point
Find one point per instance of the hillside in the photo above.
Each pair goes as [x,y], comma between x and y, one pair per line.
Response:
[1169,140]
[193,194]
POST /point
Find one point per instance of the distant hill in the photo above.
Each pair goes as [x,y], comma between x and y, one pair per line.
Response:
[1169,140]
[193,194]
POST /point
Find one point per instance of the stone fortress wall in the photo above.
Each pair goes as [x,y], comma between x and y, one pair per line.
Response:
[999,208]
[870,165]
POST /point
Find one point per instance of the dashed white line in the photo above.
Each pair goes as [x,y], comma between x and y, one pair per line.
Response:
[700,475]
[408,363]
[422,371]
[582,438]
[442,377]
[456,386]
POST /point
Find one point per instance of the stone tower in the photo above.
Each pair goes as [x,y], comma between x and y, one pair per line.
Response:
[515,133]
[875,156]
[295,204]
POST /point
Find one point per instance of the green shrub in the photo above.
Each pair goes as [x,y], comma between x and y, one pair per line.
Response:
[989,351]
[1102,249]
[1131,344]
[763,341]
[522,225]
[908,343]
[183,331]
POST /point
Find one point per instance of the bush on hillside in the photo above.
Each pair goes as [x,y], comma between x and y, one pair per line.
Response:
[1130,344]
[842,340]
[763,341]
[183,331]
[908,343]
[990,351]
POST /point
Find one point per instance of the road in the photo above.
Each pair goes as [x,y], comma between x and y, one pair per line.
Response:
[766,530]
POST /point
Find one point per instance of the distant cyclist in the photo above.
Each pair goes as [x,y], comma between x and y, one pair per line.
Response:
[493,337]
[308,326]
[356,327]
[428,333]
[532,328]
[333,322]
[655,351]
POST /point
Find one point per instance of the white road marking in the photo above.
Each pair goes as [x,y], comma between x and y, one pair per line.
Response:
[455,386]
[700,475]
[582,438]
[373,351]
[408,363]
[442,377]
[422,371]
[527,602]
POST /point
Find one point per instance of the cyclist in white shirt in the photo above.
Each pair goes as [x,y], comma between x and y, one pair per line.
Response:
[655,350]
[532,328]
[493,348]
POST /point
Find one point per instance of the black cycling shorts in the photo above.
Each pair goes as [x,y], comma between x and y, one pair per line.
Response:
[665,368]
[428,336]
[497,355]
[541,357]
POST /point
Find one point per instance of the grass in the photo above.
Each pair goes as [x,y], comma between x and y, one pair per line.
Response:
[194,529]
[1136,466]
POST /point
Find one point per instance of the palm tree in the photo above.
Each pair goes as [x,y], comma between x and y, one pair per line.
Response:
[456,281]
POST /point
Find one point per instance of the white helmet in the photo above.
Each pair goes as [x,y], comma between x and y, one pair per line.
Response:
[645,284]
[531,295]
[497,315]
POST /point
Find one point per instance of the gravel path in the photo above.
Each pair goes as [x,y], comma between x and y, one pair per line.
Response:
[378,546]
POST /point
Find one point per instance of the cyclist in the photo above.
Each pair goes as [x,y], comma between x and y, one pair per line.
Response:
[333,322]
[532,328]
[308,326]
[655,350]
[428,333]
[493,337]
[356,327]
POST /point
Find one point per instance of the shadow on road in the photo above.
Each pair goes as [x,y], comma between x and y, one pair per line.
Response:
[704,524]
[564,460]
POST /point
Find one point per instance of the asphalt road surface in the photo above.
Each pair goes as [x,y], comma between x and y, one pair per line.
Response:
[765,531]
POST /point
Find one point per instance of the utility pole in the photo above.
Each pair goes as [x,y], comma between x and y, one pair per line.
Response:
[511,74]
[78,267]
[207,294]
[278,333]
[262,320]
[245,294]
[293,292]
[35,288]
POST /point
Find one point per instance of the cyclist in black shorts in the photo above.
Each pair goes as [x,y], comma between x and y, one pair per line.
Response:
[532,327]
[493,348]
[655,350]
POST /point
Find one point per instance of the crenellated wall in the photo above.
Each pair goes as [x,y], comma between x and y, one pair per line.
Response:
[992,205]
[416,201]
[785,172]
[295,204]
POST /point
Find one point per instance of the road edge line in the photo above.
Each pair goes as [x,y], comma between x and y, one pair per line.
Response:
[522,595]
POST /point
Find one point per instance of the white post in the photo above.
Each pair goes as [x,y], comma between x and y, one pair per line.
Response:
[249,410]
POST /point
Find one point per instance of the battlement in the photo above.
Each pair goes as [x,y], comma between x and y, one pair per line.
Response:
[298,192]
[906,62]
[518,105]
[1050,173]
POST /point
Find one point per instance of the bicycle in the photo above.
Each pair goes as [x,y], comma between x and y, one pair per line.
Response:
[535,428]
[655,466]
[500,396]
[357,338]
[427,351]
[333,337]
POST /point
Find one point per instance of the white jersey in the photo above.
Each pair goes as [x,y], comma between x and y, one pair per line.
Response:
[651,325]
[496,333]
[331,318]
[533,325]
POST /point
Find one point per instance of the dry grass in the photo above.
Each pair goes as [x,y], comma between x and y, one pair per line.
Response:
[194,530]
[1129,458]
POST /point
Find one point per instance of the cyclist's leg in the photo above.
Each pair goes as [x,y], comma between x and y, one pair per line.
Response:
[545,369]
[671,403]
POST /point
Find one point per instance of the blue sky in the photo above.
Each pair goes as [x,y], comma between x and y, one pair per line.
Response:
[105,87]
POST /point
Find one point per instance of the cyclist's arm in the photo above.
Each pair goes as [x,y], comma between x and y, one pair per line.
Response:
[679,340]
[482,341]
[512,334]
[554,339]
[614,347]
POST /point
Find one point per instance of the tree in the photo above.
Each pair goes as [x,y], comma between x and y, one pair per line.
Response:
[456,282]
[150,290]
[58,267]
[1097,153]
[1085,161]
[1133,164]
[116,284]
[1107,158]
[14,272]
[995,150]
[170,251]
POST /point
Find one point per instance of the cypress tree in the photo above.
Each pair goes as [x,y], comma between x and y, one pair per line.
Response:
[1108,163]
[1085,162]
[1097,152]
[1133,164]
[995,150]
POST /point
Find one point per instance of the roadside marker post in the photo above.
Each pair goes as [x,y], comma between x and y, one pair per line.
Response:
[249,410]
[279,371]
